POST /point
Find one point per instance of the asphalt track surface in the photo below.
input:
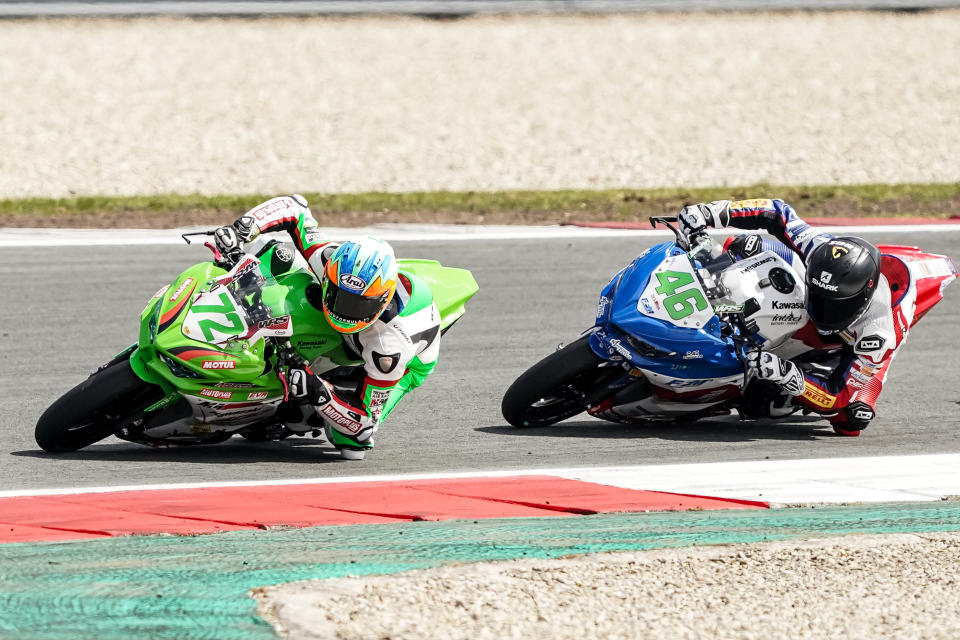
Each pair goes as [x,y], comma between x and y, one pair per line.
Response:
[69,309]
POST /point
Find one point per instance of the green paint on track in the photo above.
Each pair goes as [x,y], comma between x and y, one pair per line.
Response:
[196,587]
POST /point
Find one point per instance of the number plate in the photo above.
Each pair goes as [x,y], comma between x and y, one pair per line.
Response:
[674,294]
[214,318]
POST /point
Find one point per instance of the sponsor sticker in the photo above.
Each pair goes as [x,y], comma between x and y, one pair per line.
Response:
[351,281]
[818,396]
[692,355]
[338,418]
[179,290]
[824,281]
[619,348]
[257,395]
[281,323]
[786,318]
[870,343]
[219,364]
[216,393]
[602,306]
[787,305]
[728,308]
[750,267]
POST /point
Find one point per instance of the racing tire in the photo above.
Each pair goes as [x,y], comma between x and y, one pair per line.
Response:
[556,388]
[96,408]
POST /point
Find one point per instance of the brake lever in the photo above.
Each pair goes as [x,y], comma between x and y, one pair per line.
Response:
[186,236]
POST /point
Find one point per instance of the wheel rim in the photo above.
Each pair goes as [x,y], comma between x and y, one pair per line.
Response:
[567,399]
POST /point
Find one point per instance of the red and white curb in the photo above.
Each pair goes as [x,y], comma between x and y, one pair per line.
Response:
[65,514]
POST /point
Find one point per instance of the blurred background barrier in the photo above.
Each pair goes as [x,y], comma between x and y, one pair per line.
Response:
[438,8]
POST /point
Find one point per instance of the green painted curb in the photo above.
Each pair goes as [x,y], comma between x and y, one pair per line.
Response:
[196,587]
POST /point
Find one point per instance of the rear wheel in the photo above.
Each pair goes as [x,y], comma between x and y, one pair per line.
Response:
[558,387]
[98,407]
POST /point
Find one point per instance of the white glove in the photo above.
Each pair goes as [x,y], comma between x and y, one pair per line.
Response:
[695,218]
[771,367]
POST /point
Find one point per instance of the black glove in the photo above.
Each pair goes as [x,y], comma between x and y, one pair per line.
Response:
[746,246]
[308,387]
[228,243]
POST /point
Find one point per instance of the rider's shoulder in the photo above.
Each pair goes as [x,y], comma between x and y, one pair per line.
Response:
[874,333]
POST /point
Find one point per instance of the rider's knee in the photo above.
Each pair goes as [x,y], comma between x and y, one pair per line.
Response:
[853,419]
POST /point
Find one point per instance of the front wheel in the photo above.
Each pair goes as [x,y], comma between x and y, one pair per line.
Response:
[556,388]
[98,407]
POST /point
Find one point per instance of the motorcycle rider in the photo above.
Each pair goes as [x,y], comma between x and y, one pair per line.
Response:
[857,299]
[384,318]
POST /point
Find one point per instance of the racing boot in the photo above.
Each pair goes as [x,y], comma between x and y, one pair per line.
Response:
[349,448]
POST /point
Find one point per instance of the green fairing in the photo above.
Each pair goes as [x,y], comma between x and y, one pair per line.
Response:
[163,346]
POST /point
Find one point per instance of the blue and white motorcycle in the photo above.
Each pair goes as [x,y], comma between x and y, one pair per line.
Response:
[669,339]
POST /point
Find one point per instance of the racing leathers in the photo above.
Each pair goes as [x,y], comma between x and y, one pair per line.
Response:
[398,350]
[846,395]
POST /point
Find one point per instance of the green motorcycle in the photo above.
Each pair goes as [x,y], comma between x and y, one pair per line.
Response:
[213,352]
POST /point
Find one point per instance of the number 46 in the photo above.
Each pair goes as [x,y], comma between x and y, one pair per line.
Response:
[679,302]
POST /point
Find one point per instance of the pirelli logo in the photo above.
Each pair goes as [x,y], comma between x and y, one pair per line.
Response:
[818,396]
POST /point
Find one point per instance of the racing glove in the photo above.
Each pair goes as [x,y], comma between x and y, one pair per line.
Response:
[309,387]
[228,243]
[695,218]
[772,368]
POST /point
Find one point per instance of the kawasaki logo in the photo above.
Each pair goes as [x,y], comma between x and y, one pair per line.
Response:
[219,364]
[787,305]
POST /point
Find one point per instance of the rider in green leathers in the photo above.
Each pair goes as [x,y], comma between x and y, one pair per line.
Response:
[386,317]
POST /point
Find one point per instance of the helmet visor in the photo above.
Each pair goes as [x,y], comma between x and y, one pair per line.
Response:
[834,314]
[352,307]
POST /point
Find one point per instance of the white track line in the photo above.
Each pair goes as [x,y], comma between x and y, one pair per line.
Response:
[390,232]
[779,482]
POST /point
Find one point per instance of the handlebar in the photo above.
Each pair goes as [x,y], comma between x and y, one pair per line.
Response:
[742,330]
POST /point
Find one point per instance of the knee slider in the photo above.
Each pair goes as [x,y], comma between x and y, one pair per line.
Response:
[859,414]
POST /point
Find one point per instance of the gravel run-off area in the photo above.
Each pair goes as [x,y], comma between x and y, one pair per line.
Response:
[165,105]
[901,586]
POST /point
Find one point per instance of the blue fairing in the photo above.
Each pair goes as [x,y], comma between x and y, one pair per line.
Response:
[624,333]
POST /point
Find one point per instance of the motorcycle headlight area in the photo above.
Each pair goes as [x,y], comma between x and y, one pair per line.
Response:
[178,369]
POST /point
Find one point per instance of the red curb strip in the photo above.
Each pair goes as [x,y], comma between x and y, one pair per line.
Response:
[212,510]
[819,222]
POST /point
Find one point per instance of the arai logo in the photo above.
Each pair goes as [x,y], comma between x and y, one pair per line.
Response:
[351,281]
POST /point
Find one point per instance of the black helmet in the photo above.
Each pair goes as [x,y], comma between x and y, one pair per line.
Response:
[842,275]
